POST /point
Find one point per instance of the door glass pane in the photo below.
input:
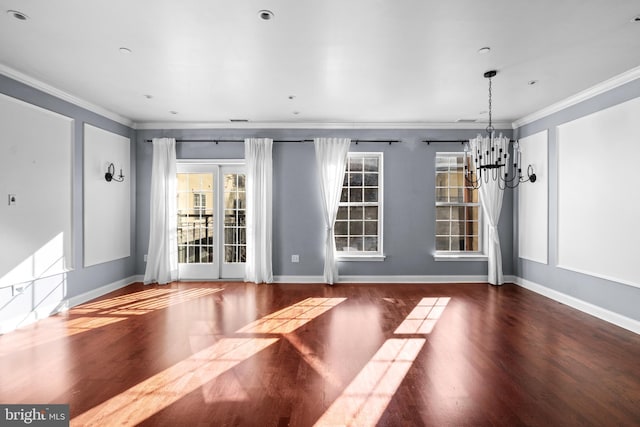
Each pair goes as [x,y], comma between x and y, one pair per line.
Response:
[195,218]
[234,218]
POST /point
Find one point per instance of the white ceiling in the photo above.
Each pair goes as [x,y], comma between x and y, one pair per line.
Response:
[344,61]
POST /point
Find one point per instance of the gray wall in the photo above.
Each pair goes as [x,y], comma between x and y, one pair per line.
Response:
[80,280]
[613,296]
[409,180]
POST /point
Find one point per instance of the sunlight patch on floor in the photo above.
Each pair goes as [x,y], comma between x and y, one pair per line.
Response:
[167,387]
[366,398]
[293,317]
[423,317]
[364,401]
[143,302]
[99,314]
[138,403]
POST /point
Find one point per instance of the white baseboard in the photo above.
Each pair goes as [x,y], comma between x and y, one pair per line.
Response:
[98,292]
[42,312]
[389,279]
[413,279]
[298,279]
[594,310]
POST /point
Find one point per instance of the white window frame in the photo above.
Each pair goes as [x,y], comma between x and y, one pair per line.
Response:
[439,255]
[367,255]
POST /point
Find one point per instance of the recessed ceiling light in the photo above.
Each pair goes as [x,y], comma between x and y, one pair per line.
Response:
[292,96]
[483,50]
[296,112]
[125,50]
[18,15]
[265,15]
[532,82]
[173,112]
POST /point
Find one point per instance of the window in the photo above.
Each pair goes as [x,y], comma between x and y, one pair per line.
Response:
[358,226]
[457,207]
[199,202]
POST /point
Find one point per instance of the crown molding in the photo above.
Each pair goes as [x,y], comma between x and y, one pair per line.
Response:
[319,125]
[607,85]
[46,88]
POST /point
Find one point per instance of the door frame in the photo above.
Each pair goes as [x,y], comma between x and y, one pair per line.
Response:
[214,270]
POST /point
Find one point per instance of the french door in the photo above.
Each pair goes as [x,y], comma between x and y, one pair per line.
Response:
[212,240]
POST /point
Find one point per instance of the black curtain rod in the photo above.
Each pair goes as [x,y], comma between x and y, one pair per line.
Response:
[461,141]
[203,140]
[233,140]
[430,141]
[275,140]
[390,141]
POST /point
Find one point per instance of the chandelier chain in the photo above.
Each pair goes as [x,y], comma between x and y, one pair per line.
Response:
[490,128]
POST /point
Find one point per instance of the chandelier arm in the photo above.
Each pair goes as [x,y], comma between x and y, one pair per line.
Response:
[503,186]
[512,186]
[531,177]
[471,181]
[473,184]
[513,178]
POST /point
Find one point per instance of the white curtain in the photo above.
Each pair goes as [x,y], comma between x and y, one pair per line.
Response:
[331,158]
[257,153]
[162,255]
[491,199]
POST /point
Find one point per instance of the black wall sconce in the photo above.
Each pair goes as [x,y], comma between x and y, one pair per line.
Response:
[110,174]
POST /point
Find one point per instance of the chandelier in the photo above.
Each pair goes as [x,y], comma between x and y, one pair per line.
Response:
[488,158]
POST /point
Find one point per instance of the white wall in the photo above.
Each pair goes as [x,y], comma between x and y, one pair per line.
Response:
[533,200]
[35,166]
[598,195]
[107,206]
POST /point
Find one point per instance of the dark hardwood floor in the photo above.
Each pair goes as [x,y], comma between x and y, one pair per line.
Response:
[235,354]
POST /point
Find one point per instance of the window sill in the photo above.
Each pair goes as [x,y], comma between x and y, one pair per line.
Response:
[460,257]
[349,258]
